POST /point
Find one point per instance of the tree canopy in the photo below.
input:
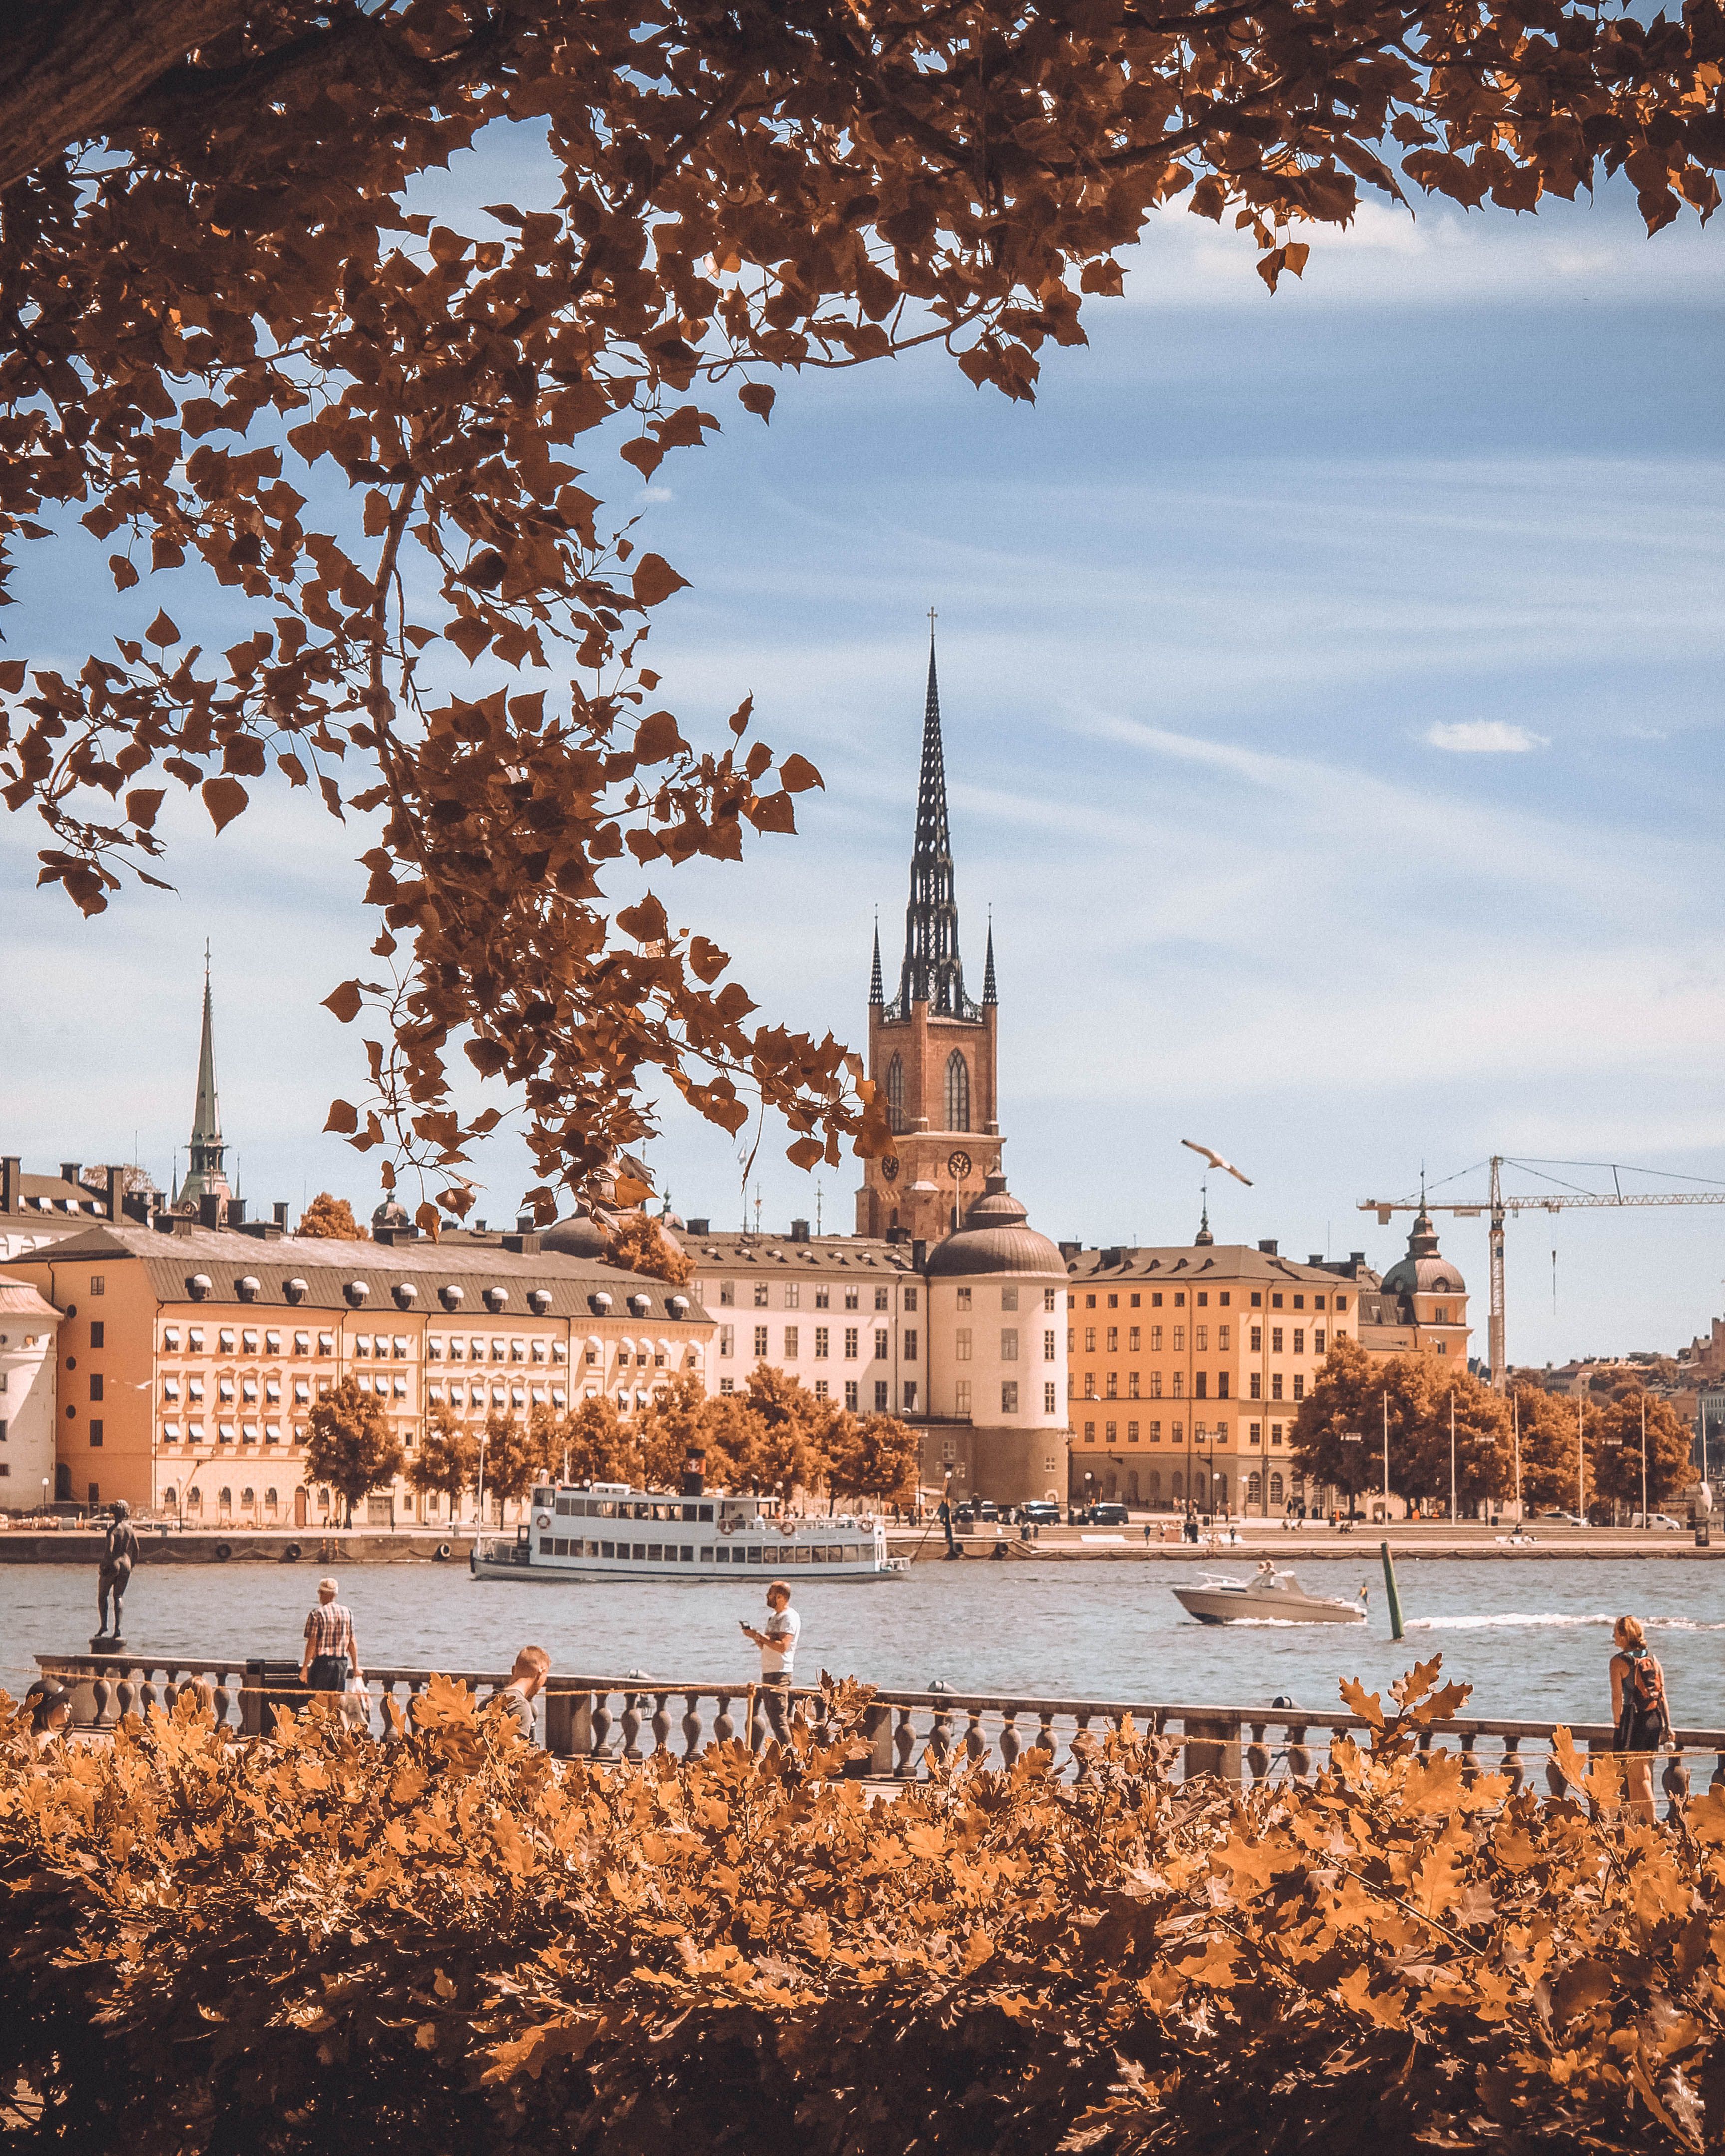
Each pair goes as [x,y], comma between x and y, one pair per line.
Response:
[348,1445]
[331,1217]
[229,341]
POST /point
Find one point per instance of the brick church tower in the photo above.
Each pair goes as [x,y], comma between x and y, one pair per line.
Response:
[931,1049]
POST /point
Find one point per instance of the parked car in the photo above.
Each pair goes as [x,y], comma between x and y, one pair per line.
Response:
[1040,1512]
[1570,1519]
[986,1509]
[1102,1514]
[1655,1520]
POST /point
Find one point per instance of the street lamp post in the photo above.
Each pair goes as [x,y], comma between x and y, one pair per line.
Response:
[480,1495]
[1454,1514]
[1352,1437]
[1386,1455]
[1643,1463]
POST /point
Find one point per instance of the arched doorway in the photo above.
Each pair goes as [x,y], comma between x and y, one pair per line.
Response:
[299,1507]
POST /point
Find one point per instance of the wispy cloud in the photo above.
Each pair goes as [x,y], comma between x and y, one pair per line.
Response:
[1484,737]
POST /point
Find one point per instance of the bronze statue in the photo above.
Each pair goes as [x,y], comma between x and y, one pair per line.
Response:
[120,1553]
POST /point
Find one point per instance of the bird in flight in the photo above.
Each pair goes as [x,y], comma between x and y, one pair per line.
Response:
[1216,1160]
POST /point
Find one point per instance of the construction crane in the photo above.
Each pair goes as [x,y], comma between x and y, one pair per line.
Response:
[1497,1205]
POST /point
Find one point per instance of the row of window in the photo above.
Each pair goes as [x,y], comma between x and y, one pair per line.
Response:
[823,1339]
[1177,1386]
[1201,1300]
[1200,1339]
[791,1295]
[1176,1433]
[711,1553]
[1010,1298]
[1008,1344]
[363,1347]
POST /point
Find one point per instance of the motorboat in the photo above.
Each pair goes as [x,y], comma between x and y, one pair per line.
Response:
[610,1531]
[1271,1597]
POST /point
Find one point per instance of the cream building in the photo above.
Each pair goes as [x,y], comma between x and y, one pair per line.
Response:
[28,1366]
[190,1358]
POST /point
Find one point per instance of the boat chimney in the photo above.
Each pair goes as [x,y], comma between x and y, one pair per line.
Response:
[693,1477]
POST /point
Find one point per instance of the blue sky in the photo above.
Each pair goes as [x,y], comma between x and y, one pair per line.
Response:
[1332,706]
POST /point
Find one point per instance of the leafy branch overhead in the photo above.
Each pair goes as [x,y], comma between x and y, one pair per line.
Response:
[228,342]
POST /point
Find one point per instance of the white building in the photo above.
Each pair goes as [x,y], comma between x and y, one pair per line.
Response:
[29,1330]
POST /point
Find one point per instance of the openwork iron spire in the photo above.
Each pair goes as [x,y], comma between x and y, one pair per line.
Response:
[207,1147]
[877,991]
[989,993]
[933,972]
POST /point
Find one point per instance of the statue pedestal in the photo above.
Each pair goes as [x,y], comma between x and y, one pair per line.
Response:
[107,1643]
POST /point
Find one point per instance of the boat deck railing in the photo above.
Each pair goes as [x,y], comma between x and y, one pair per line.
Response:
[622,1720]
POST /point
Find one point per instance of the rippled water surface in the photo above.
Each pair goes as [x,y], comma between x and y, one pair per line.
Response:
[1533,1638]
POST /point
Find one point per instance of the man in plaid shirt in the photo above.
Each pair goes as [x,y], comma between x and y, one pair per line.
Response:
[331,1655]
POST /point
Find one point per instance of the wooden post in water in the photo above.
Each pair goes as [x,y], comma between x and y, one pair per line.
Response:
[1395,1600]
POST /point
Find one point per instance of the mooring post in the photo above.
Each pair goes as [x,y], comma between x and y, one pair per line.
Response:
[1395,1600]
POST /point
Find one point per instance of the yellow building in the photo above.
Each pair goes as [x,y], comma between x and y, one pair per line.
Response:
[1187,1365]
[190,1358]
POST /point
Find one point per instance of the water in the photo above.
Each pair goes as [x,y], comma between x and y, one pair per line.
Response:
[1532,1638]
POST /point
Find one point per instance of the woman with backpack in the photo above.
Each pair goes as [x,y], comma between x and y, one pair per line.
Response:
[1638,1708]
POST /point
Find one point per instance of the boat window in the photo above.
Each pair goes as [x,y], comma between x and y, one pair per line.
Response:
[705,1512]
[607,1549]
[722,1555]
[800,1557]
[754,1553]
[654,1553]
[706,1553]
[686,1553]
[638,1550]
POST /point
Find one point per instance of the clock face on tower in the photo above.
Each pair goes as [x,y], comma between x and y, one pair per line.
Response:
[889,1167]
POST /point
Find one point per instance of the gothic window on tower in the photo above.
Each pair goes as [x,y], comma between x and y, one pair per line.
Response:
[957,1092]
[895,1093]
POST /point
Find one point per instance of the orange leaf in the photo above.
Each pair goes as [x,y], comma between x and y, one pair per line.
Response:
[224,799]
[345,1003]
[656,580]
[342,1118]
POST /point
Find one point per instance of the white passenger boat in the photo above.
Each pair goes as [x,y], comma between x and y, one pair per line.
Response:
[609,1531]
[1272,1596]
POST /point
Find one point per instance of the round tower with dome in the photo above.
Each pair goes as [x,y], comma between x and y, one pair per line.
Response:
[996,1357]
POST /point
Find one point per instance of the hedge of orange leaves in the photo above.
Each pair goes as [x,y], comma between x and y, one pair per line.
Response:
[444,1941]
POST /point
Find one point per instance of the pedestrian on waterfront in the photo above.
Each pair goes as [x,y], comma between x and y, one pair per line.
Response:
[526,1680]
[331,1655]
[51,1721]
[778,1653]
[1639,1711]
[120,1554]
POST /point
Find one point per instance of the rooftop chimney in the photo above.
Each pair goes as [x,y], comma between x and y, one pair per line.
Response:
[280,1210]
[209,1209]
[236,1212]
[799,1231]
[1268,1248]
[1069,1250]
[70,1170]
[11,1168]
[1316,1259]
[116,1193]
[919,1253]
[700,1227]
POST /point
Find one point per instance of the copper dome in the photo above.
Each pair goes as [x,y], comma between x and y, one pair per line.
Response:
[1423,1270]
[995,1238]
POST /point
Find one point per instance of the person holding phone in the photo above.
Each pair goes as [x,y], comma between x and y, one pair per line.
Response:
[778,1653]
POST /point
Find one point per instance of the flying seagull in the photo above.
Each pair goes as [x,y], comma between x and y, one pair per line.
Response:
[1216,1160]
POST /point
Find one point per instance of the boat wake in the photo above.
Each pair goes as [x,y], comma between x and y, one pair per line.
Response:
[1521,1620]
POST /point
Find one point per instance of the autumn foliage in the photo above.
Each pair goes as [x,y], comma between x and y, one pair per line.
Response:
[444,1940]
[357,446]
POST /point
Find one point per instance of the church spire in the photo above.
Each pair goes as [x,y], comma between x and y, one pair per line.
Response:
[933,972]
[204,1173]
[877,992]
[989,994]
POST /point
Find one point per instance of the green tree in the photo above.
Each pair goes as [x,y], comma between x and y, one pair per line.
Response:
[331,1217]
[1617,1451]
[1349,1394]
[877,1456]
[639,1244]
[447,1461]
[349,1445]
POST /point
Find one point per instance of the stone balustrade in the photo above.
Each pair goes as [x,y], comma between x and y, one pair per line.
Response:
[622,1720]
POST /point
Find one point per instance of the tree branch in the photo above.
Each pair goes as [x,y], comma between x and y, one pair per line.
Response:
[67,69]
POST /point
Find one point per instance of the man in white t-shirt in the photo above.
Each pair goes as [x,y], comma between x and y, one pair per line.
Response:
[778,1653]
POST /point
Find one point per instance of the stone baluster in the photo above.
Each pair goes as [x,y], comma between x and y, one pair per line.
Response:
[221,1699]
[1513,1765]
[601,1746]
[1083,1748]
[904,1741]
[724,1728]
[147,1691]
[1010,1745]
[1257,1756]
[631,1726]
[691,1724]
[1554,1779]
[1675,1782]
[1299,1752]
[125,1695]
[661,1723]
[100,1692]
[1470,1759]
[976,1745]
[169,1688]
[940,1736]
[1717,1780]
[1046,1741]
[757,1724]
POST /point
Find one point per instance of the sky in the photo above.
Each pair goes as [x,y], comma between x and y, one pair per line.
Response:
[1331,697]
